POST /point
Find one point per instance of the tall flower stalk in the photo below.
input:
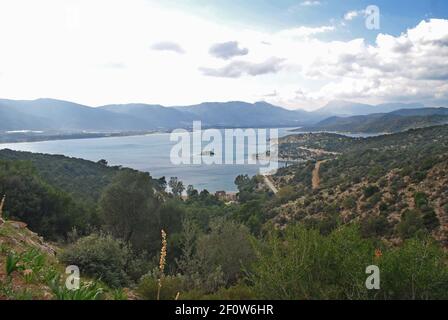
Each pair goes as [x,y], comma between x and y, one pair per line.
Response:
[162,263]
[2,203]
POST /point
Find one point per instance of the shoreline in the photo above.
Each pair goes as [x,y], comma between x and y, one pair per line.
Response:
[24,138]
[75,136]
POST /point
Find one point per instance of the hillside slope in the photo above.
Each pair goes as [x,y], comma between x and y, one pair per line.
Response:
[27,263]
[82,178]
[30,270]
[394,185]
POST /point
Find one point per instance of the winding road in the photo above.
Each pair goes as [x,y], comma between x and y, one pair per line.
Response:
[269,183]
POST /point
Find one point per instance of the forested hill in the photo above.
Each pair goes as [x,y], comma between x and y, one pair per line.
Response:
[394,185]
[81,178]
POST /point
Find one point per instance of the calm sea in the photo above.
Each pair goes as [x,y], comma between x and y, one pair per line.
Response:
[147,153]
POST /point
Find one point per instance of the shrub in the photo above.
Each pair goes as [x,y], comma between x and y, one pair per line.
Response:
[374,226]
[227,247]
[411,224]
[286,194]
[374,199]
[325,226]
[303,264]
[430,219]
[138,266]
[349,203]
[148,286]
[417,270]
[383,208]
[100,256]
[420,199]
[200,276]
[370,191]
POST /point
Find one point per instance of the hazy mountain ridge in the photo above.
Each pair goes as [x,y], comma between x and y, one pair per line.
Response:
[347,108]
[395,121]
[154,116]
[246,114]
[51,114]
[63,115]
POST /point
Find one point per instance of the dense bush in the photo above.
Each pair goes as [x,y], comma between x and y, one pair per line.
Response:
[286,194]
[302,264]
[171,285]
[411,224]
[376,226]
[227,246]
[100,256]
[416,270]
[370,191]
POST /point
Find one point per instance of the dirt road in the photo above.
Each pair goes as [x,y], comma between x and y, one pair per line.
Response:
[315,180]
[269,183]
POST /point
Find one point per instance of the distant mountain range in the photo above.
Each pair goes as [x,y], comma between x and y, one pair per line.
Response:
[215,114]
[347,108]
[50,114]
[394,121]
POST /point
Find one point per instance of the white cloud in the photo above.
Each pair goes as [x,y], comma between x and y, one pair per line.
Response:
[227,50]
[236,69]
[167,46]
[412,66]
[302,31]
[352,14]
[77,58]
[310,3]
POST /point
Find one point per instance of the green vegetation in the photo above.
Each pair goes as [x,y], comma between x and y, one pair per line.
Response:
[45,209]
[85,180]
[381,201]
[100,256]
[302,264]
[131,192]
[87,291]
[11,263]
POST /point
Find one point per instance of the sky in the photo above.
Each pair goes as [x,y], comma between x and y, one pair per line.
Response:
[296,54]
